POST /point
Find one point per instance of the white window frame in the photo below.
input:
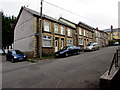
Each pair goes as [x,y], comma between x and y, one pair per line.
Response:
[69,32]
[84,32]
[80,31]
[47,38]
[87,33]
[96,33]
[62,30]
[90,35]
[56,28]
[47,26]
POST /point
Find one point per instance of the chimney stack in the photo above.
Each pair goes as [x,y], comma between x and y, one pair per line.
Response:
[96,28]
[111,26]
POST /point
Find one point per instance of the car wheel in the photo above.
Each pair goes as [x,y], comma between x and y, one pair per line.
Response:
[12,60]
[66,54]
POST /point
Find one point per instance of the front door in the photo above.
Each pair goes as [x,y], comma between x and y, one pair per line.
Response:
[56,45]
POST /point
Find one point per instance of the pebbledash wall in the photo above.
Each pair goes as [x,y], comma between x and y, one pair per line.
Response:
[24,33]
[55,33]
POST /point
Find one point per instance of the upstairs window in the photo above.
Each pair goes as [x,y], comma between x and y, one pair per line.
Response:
[47,26]
[96,33]
[87,34]
[84,33]
[62,30]
[90,35]
[56,28]
[80,31]
[69,33]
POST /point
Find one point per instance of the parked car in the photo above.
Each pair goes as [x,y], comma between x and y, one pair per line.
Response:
[92,47]
[15,55]
[68,50]
[2,52]
[116,43]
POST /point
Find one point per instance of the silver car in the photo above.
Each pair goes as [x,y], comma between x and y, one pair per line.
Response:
[92,47]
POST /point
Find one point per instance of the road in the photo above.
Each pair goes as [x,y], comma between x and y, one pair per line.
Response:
[78,71]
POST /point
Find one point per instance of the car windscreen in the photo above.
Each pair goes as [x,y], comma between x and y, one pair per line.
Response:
[64,48]
[17,52]
[92,44]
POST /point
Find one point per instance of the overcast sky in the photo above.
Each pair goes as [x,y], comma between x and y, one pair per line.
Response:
[96,13]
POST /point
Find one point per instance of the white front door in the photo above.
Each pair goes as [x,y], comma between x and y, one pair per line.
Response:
[56,45]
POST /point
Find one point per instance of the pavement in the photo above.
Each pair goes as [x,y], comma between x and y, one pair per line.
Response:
[78,71]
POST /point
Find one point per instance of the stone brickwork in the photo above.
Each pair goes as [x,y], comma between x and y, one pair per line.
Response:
[26,37]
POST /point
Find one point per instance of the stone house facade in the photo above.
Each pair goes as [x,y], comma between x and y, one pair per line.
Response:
[85,35]
[55,33]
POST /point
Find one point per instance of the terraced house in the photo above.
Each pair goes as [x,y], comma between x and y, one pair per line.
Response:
[101,37]
[55,33]
[114,33]
[97,37]
[85,34]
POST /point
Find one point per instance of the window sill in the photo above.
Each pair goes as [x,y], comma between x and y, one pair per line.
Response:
[69,36]
[47,46]
[81,44]
[47,31]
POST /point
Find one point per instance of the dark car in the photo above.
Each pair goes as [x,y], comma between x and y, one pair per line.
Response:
[2,52]
[68,50]
[15,55]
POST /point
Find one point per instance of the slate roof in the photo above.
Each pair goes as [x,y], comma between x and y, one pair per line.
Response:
[35,13]
[109,30]
[81,24]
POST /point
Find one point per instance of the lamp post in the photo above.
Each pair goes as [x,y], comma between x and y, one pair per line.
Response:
[40,39]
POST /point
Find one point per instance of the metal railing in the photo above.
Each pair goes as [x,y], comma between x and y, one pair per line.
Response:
[115,60]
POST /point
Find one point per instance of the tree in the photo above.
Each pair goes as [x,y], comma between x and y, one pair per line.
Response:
[8,24]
